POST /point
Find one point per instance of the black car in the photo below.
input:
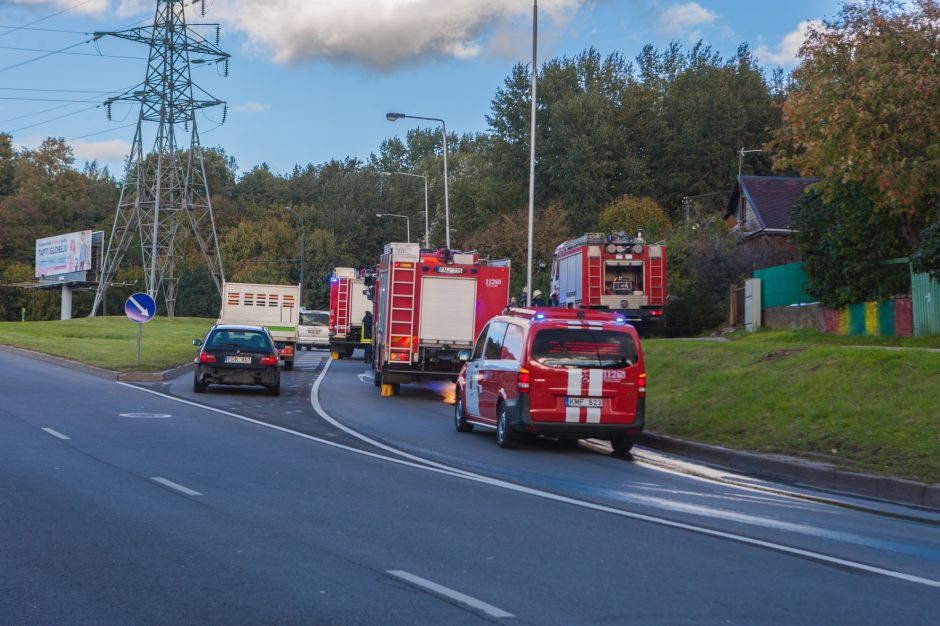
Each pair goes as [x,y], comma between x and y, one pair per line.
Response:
[237,355]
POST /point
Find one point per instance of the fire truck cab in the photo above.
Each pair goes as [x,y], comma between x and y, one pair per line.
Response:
[429,305]
[613,272]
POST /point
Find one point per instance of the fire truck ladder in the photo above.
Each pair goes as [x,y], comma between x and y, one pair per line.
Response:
[655,281]
[342,306]
[401,328]
[595,281]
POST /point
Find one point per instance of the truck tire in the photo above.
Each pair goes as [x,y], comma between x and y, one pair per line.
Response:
[377,378]
[621,445]
[289,365]
[460,416]
[505,436]
[349,351]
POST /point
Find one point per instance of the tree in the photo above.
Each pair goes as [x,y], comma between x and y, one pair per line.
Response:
[844,243]
[862,111]
[629,214]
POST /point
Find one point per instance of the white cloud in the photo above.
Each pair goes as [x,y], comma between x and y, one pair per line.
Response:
[88,6]
[682,18]
[107,152]
[251,107]
[786,52]
[382,34]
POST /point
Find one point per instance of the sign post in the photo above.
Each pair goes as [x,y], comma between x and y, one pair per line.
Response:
[140,308]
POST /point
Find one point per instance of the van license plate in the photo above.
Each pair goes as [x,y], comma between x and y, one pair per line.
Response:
[590,403]
[238,359]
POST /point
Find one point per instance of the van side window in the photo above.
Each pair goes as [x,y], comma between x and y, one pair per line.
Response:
[494,340]
[478,348]
[512,343]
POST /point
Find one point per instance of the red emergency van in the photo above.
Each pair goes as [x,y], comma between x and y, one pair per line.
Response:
[565,373]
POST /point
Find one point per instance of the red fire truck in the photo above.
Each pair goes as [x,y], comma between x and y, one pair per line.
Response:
[615,272]
[348,303]
[429,306]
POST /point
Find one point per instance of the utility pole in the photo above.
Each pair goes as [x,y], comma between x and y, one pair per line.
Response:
[165,188]
[535,69]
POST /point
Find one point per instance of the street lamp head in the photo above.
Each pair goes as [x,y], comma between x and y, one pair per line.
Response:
[380,214]
[392,117]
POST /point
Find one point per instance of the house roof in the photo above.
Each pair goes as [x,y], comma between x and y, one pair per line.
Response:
[770,197]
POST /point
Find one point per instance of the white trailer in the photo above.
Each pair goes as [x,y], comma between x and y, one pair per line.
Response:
[276,307]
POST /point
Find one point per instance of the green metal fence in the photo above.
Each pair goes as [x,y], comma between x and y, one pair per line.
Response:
[783,285]
[925,294]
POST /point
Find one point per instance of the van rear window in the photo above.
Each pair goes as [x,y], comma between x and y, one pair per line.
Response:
[582,347]
[314,319]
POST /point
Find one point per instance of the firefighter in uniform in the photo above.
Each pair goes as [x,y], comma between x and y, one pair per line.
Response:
[367,336]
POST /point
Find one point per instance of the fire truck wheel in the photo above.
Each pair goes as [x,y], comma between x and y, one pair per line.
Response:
[288,365]
[377,378]
[621,445]
[396,388]
[349,351]
[460,416]
[505,436]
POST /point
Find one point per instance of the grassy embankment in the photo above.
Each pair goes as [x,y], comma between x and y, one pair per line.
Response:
[804,394]
[111,342]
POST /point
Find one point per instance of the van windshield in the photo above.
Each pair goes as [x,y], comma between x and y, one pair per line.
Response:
[582,347]
[314,319]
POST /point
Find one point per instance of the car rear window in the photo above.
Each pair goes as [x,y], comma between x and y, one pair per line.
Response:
[250,340]
[314,319]
[582,347]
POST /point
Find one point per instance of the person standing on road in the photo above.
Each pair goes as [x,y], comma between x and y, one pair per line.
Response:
[367,336]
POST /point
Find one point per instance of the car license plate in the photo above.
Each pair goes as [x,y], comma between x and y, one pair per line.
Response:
[590,403]
[238,359]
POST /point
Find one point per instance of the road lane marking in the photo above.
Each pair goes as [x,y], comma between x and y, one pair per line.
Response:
[55,433]
[177,486]
[439,468]
[447,592]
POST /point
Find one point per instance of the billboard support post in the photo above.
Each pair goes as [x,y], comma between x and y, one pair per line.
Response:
[65,311]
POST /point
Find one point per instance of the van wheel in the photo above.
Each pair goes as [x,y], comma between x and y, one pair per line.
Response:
[460,416]
[289,365]
[198,387]
[505,436]
[621,445]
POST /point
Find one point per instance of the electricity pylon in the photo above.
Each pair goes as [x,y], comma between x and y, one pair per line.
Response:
[165,193]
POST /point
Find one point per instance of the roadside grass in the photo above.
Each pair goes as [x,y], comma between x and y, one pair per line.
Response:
[811,336]
[868,410]
[111,342]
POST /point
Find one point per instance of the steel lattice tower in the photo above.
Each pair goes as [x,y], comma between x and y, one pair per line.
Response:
[165,194]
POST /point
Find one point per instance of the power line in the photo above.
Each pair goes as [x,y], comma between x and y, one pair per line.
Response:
[101,132]
[43,30]
[56,90]
[41,99]
[78,54]
[43,19]
[61,106]
[43,56]
[54,119]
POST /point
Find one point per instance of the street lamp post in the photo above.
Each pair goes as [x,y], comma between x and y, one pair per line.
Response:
[303,255]
[407,222]
[535,70]
[427,239]
[392,117]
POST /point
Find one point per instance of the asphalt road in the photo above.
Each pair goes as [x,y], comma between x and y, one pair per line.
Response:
[119,505]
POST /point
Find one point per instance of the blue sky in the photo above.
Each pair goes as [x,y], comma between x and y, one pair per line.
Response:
[311,80]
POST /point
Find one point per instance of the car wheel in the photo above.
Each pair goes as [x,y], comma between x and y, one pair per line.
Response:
[621,445]
[288,365]
[198,387]
[505,437]
[275,389]
[460,416]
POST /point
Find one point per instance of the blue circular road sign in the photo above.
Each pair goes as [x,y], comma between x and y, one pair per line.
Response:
[140,308]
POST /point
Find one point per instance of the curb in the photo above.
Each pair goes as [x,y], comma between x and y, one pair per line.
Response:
[137,377]
[802,472]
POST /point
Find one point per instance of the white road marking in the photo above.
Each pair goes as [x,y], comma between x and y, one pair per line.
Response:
[55,433]
[439,468]
[447,592]
[177,486]
[366,377]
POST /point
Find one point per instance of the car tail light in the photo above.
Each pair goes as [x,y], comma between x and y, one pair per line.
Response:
[270,359]
[656,312]
[205,357]
[523,380]
[641,385]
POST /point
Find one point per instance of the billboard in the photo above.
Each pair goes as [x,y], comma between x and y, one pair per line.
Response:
[64,257]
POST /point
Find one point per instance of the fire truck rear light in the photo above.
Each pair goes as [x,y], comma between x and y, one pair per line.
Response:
[205,357]
[397,356]
[270,359]
[523,380]
[656,312]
